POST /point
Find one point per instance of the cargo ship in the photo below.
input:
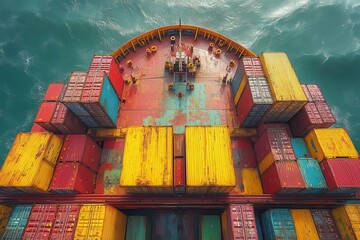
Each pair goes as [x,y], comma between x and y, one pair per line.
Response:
[182,133]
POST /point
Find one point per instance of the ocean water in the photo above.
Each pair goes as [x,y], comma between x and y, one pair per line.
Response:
[42,41]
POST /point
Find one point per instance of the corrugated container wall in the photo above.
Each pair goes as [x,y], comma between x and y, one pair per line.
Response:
[209,166]
[347,219]
[238,222]
[4,217]
[54,92]
[66,121]
[243,153]
[148,160]
[326,114]
[313,177]
[300,148]
[138,228]
[314,93]
[287,92]
[45,115]
[30,162]
[278,225]
[305,120]
[100,221]
[304,224]
[330,143]
[210,227]
[17,222]
[65,221]
[325,224]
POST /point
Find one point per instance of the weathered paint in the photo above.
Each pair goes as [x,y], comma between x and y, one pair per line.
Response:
[210,227]
[304,224]
[148,160]
[300,148]
[4,217]
[243,153]
[277,224]
[325,224]
[138,228]
[251,181]
[347,219]
[330,143]
[65,221]
[179,175]
[313,177]
[209,166]
[17,222]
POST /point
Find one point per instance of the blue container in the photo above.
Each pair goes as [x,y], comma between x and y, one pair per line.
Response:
[313,177]
[109,100]
[300,148]
[17,222]
[278,225]
[77,108]
[89,122]
[259,228]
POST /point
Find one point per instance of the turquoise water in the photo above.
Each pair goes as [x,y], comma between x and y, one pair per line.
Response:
[42,41]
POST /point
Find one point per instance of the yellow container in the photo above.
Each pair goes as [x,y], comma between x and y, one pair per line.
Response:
[100,221]
[304,224]
[288,94]
[4,217]
[347,219]
[30,162]
[148,160]
[251,181]
[209,165]
[266,163]
[330,143]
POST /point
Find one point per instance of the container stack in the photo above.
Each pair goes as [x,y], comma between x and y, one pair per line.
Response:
[209,165]
[338,159]
[251,90]
[77,166]
[17,222]
[325,224]
[30,163]
[347,220]
[278,224]
[148,160]
[277,166]
[286,90]
[53,116]
[179,164]
[4,217]
[315,114]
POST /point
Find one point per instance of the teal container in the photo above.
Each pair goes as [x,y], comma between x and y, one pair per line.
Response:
[210,227]
[17,222]
[300,148]
[259,228]
[277,224]
[138,228]
[313,177]
[109,100]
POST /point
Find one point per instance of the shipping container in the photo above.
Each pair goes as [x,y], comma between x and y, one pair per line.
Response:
[179,176]
[278,225]
[254,102]
[273,145]
[304,224]
[326,114]
[148,160]
[258,227]
[210,227]
[179,145]
[40,222]
[209,166]
[44,116]
[238,222]
[283,177]
[138,228]
[72,178]
[54,92]
[330,143]
[4,217]
[300,148]
[37,128]
[98,221]
[342,175]
[263,126]
[243,153]
[108,64]
[66,122]
[286,90]
[17,222]
[251,183]
[100,100]
[314,92]
[347,219]
[325,224]
[305,120]
[307,93]
[30,162]
[65,222]
[81,148]
[313,177]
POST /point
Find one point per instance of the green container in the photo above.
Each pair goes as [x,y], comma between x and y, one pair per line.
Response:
[210,228]
[138,228]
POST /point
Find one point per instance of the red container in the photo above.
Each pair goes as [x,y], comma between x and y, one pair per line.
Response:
[283,177]
[325,224]
[66,122]
[40,222]
[342,175]
[179,175]
[307,93]
[251,66]
[81,148]
[179,145]
[315,93]
[75,87]
[72,178]
[243,153]
[107,64]
[263,126]
[44,116]
[65,222]
[238,222]
[254,102]
[37,128]
[54,92]
[305,120]
[275,141]
[112,144]
[326,114]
